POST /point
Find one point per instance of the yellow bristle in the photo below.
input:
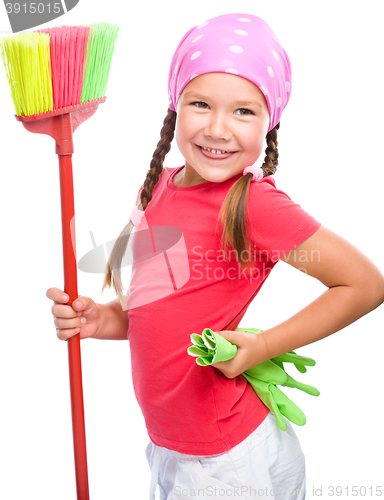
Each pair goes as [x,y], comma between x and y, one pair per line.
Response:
[27,63]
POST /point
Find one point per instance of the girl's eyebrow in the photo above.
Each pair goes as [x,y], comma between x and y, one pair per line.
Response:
[236,103]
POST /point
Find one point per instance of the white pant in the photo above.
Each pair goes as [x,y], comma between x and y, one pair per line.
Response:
[269,459]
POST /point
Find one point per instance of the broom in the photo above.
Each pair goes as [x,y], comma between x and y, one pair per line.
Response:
[58,78]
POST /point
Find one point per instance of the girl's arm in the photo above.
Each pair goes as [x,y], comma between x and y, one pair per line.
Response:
[113,322]
[355,287]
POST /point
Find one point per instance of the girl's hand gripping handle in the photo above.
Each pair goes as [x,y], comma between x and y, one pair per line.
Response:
[82,316]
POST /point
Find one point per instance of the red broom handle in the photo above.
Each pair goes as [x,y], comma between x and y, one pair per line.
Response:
[60,124]
[74,354]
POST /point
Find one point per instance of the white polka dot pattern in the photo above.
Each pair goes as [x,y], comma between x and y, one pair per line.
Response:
[195,55]
[236,49]
[242,45]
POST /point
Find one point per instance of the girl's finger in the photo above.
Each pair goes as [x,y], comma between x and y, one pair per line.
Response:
[67,333]
[69,323]
[60,311]
[57,295]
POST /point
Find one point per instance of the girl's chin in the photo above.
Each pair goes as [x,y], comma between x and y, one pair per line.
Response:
[215,174]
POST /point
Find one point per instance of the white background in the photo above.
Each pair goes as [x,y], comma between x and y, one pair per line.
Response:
[330,163]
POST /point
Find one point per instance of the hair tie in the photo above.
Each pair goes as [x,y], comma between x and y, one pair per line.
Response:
[136,216]
[257,173]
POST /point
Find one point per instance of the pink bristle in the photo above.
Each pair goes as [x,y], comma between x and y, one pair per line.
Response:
[65,74]
[68,46]
[79,52]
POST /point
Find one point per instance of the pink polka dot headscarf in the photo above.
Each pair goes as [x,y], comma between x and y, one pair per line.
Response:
[241,44]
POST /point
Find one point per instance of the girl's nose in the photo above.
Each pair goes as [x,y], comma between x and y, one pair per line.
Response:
[217,128]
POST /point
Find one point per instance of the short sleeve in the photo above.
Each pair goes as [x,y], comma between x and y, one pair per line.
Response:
[276,224]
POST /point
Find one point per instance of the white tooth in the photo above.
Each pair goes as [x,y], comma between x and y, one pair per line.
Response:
[215,151]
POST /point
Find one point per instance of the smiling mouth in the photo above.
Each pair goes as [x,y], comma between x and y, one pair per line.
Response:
[215,151]
[215,155]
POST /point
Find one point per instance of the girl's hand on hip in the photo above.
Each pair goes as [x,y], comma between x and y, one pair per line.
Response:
[82,316]
[245,358]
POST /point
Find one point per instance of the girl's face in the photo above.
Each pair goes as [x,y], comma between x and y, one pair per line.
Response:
[222,112]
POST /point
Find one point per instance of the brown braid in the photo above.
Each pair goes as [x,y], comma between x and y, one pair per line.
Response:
[113,268]
[233,210]
[156,166]
[271,160]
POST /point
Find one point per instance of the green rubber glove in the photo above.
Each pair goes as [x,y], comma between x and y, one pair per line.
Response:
[291,356]
[210,348]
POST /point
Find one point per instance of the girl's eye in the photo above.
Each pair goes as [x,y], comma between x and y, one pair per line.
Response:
[247,111]
[200,102]
[204,105]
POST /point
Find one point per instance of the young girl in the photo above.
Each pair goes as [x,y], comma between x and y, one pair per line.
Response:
[207,236]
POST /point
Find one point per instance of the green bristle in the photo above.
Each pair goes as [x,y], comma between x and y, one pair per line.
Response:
[100,48]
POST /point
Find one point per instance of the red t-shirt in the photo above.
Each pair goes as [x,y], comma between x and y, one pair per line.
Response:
[180,285]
